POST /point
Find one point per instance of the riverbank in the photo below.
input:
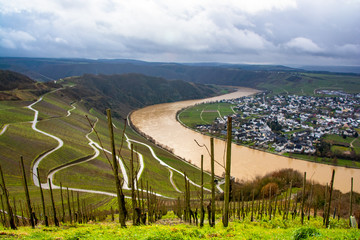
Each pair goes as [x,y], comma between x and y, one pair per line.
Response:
[327,161]
[159,122]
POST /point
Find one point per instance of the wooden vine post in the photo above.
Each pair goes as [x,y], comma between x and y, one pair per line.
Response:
[186,206]
[202,210]
[310,202]
[351,200]
[69,206]
[42,200]
[27,195]
[119,193]
[276,197]
[148,201]
[303,199]
[227,173]
[79,210]
[288,202]
[212,223]
[53,204]
[62,204]
[6,194]
[132,182]
[330,195]
[325,199]
[252,206]
[2,213]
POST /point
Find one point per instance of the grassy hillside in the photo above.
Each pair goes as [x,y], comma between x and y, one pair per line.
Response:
[63,115]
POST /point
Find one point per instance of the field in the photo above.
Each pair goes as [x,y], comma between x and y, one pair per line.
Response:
[204,113]
[307,83]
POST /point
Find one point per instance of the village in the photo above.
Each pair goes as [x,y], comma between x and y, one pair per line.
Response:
[291,123]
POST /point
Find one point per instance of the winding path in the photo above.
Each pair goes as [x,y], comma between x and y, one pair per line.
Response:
[92,144]
[172,181]
[4,129]
[220,115]
[165,164]
[202,117]
[33,126]
[69,111]
[232,108]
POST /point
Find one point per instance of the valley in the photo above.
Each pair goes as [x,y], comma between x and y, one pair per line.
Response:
[171,120]
[61,135]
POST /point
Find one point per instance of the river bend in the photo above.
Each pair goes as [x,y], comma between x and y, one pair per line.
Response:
[159,122]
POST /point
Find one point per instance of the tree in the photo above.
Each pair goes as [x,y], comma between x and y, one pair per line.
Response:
[323,148]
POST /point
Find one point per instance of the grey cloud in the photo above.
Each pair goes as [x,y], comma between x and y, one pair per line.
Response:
[262,31]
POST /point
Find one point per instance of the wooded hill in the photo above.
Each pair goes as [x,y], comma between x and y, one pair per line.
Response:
[123,93]
[10,80]
[274,78]
[12,85]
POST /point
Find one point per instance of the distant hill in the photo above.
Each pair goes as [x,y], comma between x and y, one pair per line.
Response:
[335,69]
[10,80]
[16,86]
[274,78]
[126,92]
[53,69]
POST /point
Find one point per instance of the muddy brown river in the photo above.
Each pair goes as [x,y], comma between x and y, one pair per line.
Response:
[159,122]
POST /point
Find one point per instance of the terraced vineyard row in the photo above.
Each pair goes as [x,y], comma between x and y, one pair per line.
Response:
[60,143]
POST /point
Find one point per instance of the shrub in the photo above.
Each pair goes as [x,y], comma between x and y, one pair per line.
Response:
[266,189]
[305,232]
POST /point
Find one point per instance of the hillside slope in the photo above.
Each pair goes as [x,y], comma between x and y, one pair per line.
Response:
[278,79]
[52,134]
[16,86]
[10,80]
[123,93]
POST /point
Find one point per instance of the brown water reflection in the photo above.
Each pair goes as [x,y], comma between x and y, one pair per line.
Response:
[159,121]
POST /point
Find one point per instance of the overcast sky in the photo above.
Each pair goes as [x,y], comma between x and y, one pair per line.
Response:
[319,32]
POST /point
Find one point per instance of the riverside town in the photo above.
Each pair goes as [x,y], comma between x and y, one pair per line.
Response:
[292,123]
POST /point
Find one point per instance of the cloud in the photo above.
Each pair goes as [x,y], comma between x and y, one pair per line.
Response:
[13,39]
[303,45]
[348,49]
[188,30]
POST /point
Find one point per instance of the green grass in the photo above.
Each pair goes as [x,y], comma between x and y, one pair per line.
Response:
[14,115]
[21,140]
[336,139]
[204,113]
[340,144]
[13,104]
[265,229]
[340,162]
[72,131]
[340,149]
[93,175]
